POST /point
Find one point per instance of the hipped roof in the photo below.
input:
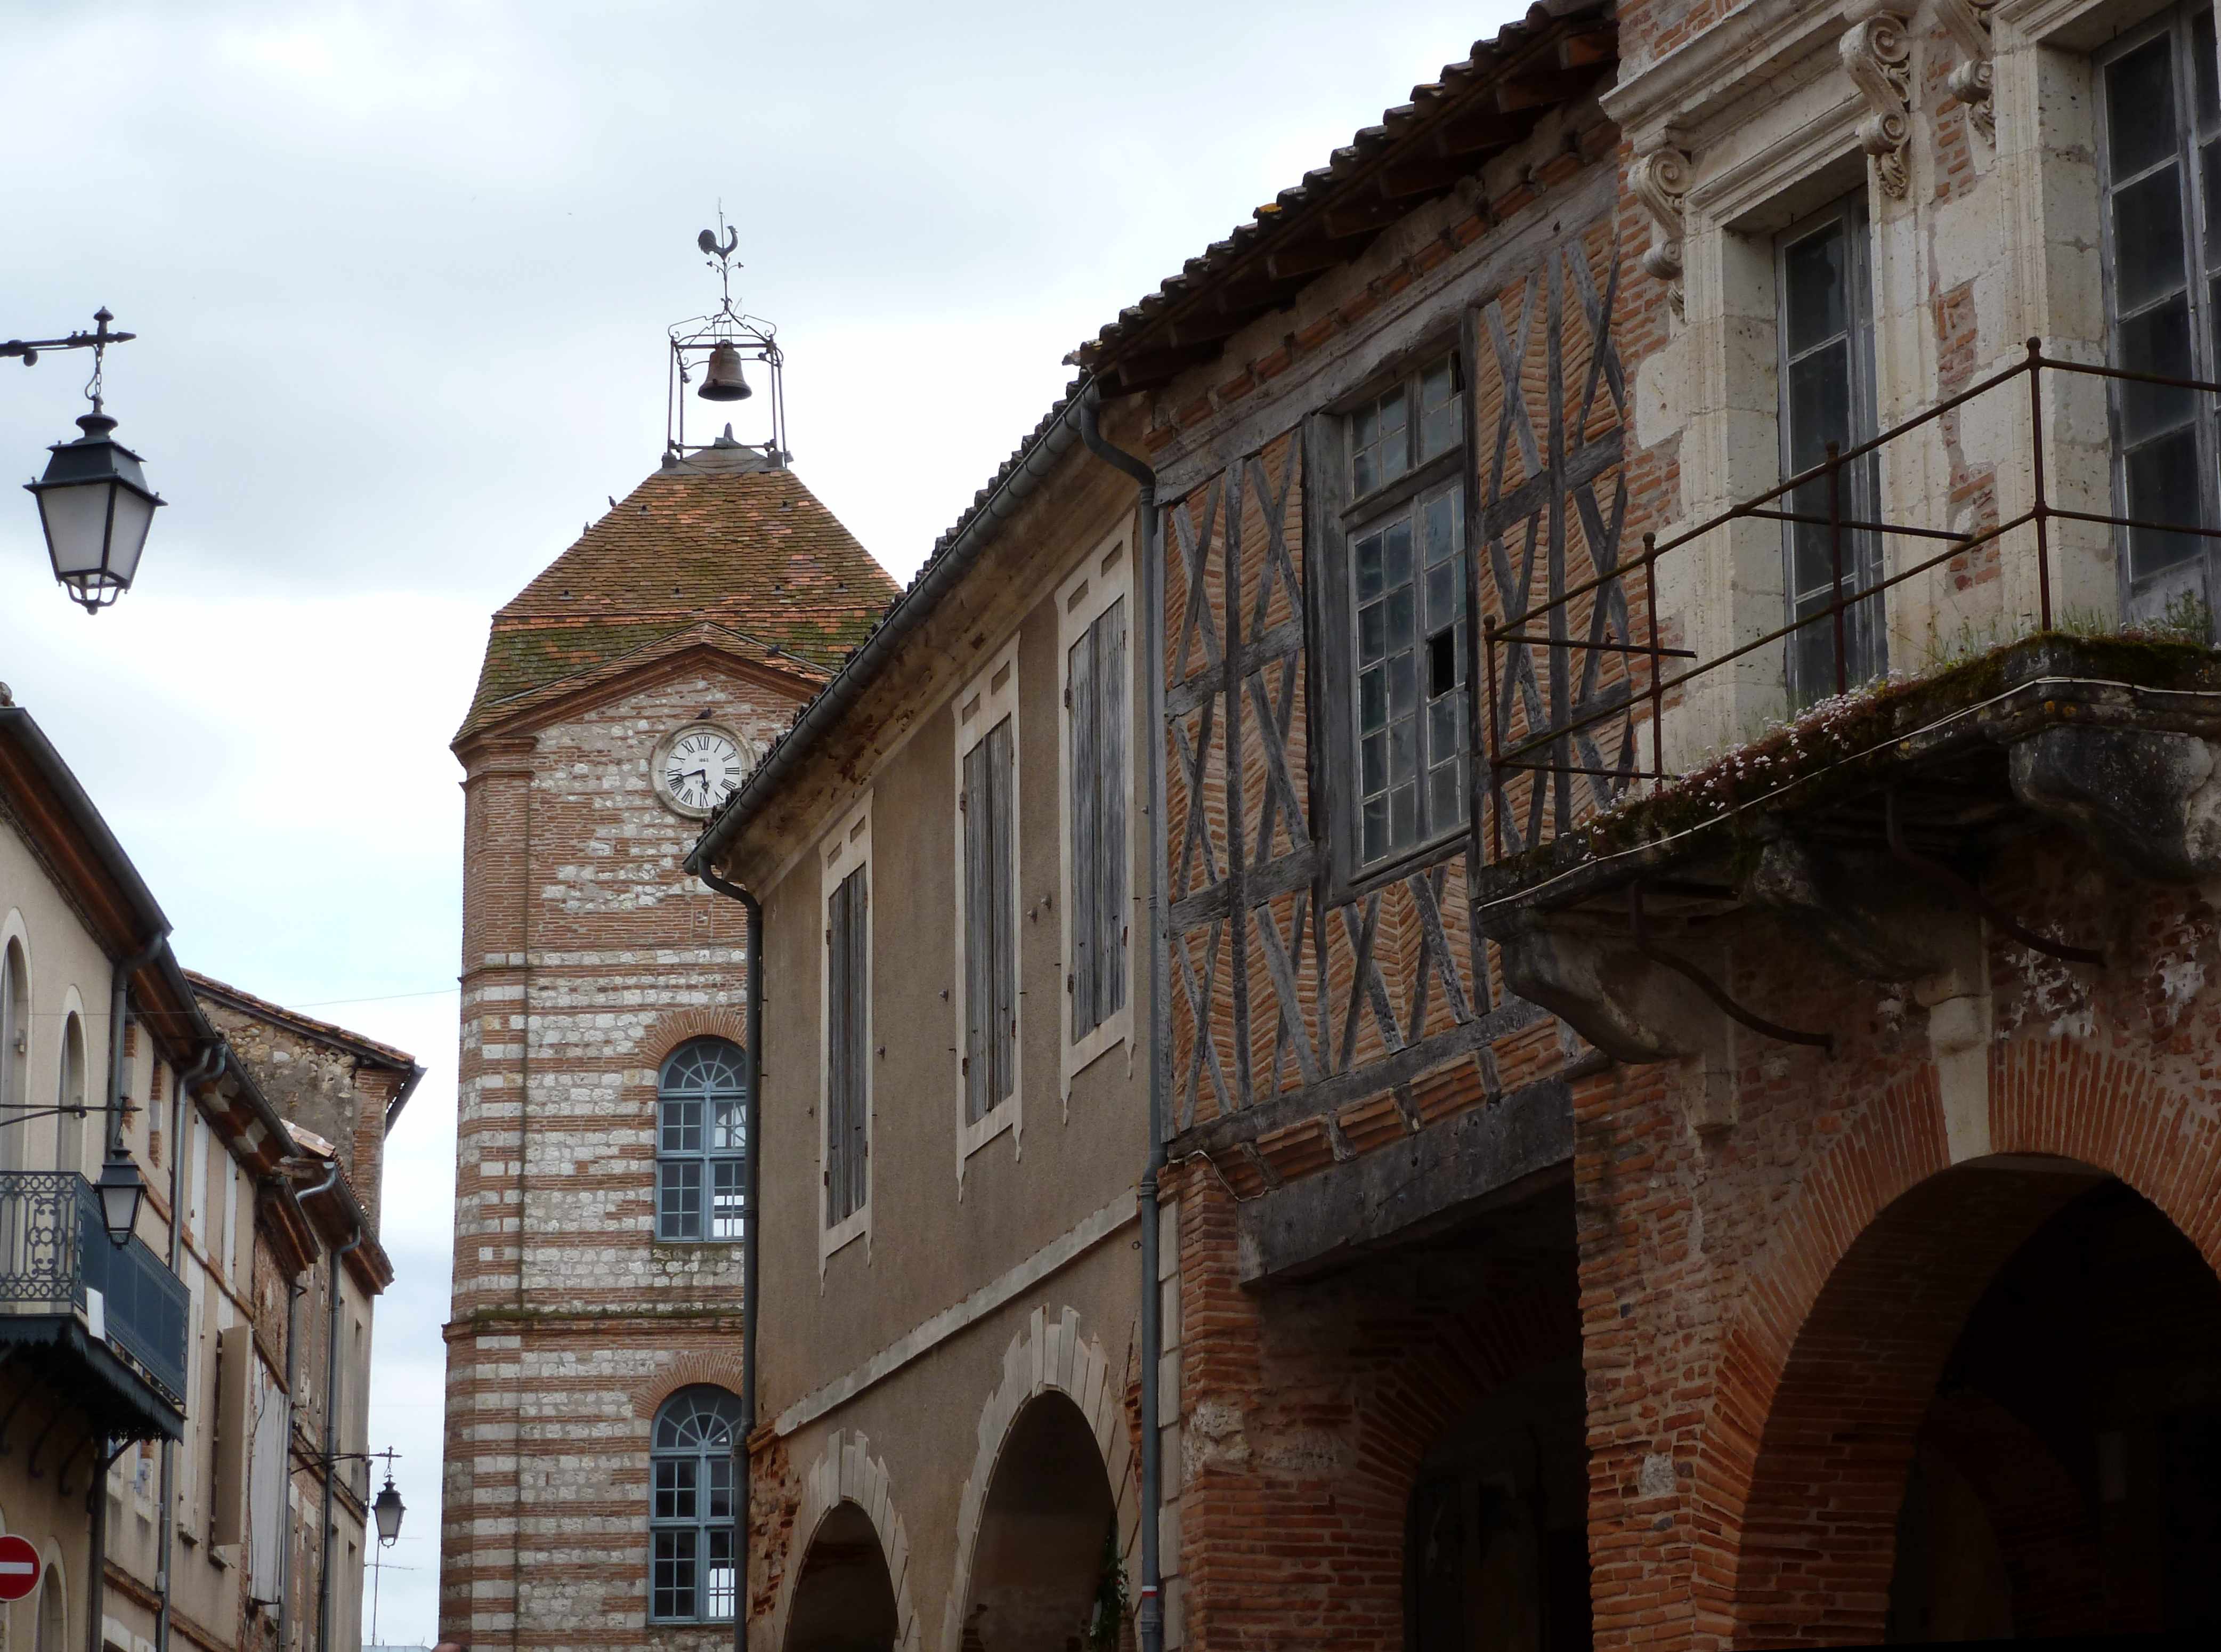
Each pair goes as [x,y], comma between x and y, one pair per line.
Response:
[752,552]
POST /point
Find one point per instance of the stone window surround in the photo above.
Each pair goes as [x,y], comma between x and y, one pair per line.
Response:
[995,704]
[1104,575]
[845,849]
[1726,160]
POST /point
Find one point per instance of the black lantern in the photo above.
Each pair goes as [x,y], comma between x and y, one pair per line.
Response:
[120,1190]
[95,506]
[388,1512]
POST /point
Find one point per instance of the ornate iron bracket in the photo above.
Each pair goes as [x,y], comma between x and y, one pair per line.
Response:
[1877,55]
[1711,988]
[1972,899]
[1659,178]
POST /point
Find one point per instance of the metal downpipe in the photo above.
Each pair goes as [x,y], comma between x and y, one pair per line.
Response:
[293,1295]
[206,1067]
[331,1433]
[752,1110]
[1149,1612]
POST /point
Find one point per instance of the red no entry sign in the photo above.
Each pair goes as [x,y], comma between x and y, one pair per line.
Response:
[19,1568]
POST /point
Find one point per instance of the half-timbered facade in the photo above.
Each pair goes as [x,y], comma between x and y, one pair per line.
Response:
[1673,669]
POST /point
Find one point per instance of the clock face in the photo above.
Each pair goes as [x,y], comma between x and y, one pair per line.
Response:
[697,767]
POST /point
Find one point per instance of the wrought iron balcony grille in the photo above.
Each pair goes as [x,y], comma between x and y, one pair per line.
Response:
[1523,736]
[56,1259]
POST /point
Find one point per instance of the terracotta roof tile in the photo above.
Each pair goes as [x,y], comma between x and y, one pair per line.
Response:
[751,550]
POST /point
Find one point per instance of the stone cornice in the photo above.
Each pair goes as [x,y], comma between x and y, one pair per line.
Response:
[1692,83]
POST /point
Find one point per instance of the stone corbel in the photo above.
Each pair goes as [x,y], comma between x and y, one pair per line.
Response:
[1660,179]
[1877,53]
[1967,22]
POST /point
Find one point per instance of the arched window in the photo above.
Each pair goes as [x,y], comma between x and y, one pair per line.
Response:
[690,1577]
[701,1146]
[69,1123]
[15,1051]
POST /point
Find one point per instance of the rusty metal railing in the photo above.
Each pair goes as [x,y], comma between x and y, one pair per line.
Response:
[1517,756]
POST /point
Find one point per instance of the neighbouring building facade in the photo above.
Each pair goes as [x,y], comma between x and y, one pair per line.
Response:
[1653,840]
[594,1346]
[174,1408]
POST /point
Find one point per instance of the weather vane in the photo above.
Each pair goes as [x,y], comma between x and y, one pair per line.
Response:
[724,342]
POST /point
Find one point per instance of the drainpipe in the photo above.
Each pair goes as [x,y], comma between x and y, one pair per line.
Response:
[118,1006]
[331,1433]
[753,1110]
[206,1067]
[293,1295]
[1149,1613]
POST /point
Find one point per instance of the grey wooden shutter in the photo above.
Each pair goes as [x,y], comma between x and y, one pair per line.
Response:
[846,978]
[989,925]
[1003,933]
[1110,632]
[1086,822]
[1096,690]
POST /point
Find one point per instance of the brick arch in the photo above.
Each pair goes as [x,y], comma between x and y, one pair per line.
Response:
[674,1027]
[1850,1313]
[1047,1357]
[688,1371]
[846,1472]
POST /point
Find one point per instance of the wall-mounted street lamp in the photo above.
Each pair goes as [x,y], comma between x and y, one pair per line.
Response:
[121,1190]
[94,502]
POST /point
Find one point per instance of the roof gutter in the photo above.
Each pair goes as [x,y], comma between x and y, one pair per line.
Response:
[1019,481]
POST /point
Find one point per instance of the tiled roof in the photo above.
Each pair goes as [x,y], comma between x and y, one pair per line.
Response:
[324,1031]
[749,549]
[1474,109]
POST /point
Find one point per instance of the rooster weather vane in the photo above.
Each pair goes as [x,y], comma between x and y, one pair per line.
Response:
[722,344]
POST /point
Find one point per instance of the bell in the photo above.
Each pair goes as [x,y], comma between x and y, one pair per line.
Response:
[722,382]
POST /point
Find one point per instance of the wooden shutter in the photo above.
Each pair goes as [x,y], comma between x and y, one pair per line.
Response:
[989,925]
[845,980]
[1002,931]
[234,1358]
[1080,699]
[1109,632]
[978,997]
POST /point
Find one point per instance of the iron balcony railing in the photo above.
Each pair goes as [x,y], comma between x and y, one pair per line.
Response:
[56,1258]
[1831,499]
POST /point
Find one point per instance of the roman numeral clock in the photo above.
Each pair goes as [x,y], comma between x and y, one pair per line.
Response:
[696,766]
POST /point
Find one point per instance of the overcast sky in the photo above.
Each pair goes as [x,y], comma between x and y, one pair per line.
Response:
[400,274]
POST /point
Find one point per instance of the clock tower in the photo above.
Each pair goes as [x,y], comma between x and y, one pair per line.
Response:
[594,1343]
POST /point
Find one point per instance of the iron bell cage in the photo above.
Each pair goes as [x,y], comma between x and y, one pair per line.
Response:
[711,356]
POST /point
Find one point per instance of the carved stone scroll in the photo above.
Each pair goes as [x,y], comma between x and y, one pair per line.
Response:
[1967,22]
[1660,179]
[1877,55]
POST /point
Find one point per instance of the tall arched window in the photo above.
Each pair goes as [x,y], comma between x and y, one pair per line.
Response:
[690,1576]
[15,1051]
[69,1123]
[701,1144]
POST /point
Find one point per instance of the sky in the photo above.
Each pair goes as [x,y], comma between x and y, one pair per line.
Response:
[400,275]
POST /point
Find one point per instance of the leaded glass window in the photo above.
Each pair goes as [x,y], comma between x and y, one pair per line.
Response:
[701,1147]
[691,1574]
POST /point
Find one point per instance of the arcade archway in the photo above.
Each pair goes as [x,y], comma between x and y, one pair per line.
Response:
[1048,1537]
[844,1599]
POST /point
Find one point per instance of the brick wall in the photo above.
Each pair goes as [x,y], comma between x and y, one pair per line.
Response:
[574,894]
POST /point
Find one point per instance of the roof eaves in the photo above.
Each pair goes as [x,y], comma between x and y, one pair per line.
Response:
[952,556]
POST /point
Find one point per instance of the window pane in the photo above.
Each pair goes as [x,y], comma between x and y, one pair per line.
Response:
[1395,442]
[2162,487]
[2147,240]
[2140,123]
[2156,341]
[682,1125]
[672,1592]
[1439,413]
[1370,569]
[728,1211]
[720,1479]
[676,1488]
[718,1592]
[679,1199]
[728,1133]
[1816,284]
